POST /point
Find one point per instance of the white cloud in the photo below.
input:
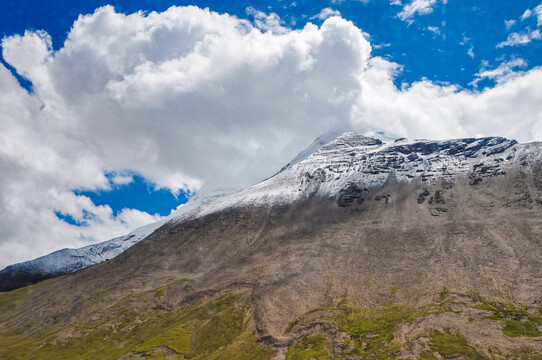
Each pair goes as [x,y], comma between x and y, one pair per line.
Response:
[517,39]
[467,43]
[537,12]
[509,23]
[326,13]
[434,29]
[416,7]
[527,14]
[122,179]
[527,35]
[189,96]
[504,72]
[338,2]
[427,110]
[265,22]
[182,97]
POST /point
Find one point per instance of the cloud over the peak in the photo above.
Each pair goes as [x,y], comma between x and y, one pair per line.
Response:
[190,96]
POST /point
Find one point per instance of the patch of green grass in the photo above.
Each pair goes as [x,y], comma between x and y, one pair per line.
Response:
[245,348]
[526,325]
[449,344]
[158,292]
[483,303]
[200,331]
[443,294]
[220,324]
[176,338]
[526,353]
[372,330]
[310,347]
[291,326]
[514,328]
[10,299]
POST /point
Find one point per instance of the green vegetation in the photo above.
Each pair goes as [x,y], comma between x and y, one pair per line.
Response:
[177,339]
[515,328]
[526,353]
[140,325]
[371,331]
[310,347]
[10,299]
[449,345]
[158,292]
[291,326]
[517,321]
[203,331]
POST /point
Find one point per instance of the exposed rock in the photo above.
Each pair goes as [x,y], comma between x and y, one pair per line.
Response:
[350,194]
[422,196]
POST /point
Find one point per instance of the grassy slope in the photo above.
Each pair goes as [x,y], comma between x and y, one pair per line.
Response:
[220,329]
[202,331]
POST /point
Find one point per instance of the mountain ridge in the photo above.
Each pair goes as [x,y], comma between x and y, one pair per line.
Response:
[342,255]
[370,162]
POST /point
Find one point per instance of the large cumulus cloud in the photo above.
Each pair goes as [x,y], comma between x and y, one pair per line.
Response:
[190,96]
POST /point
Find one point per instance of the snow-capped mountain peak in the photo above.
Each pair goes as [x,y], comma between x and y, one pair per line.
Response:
[352,158]
[330,167]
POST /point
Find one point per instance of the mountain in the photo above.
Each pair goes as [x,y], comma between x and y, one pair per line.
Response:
[362,249]
[66,261]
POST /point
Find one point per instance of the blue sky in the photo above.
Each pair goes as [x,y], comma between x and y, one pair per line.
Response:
[415,44]
[122,123]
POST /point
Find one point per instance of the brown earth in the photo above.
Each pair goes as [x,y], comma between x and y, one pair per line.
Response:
[400,244]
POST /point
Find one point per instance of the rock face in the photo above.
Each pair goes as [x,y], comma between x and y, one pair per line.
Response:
[363,249]
[339,168]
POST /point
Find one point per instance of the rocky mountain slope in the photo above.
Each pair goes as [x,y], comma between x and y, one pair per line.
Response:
[66,261]
[362,249]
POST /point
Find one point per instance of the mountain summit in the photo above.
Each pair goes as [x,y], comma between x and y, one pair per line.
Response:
[360,249]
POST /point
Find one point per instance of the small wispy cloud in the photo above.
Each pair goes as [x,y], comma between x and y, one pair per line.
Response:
[434,29]
[467,43]
[380,46]
[527,34]
[509,23]
[537,11]
[416,7]
[341,1]
[326,13]
[266,22]
[517,39]
[527,14]
[502,73]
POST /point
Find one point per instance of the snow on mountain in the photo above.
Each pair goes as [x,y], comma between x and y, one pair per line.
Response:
[334,166]
[69,260]
[352,162]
